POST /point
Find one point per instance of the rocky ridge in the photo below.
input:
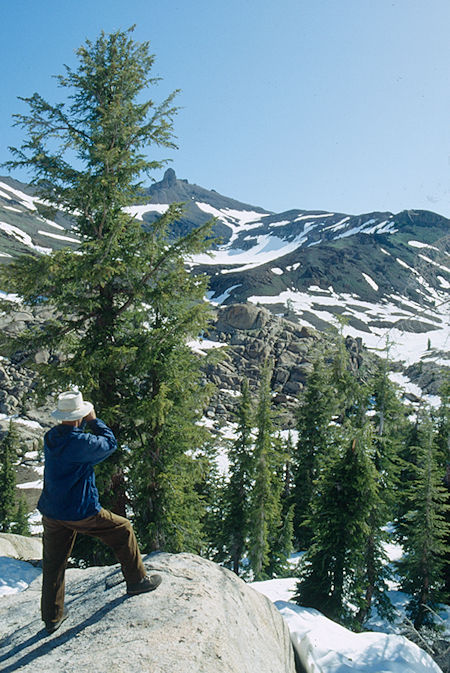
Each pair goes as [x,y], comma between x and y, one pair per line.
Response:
[253,336]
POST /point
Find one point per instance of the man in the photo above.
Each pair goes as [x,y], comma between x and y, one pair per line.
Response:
[69,504]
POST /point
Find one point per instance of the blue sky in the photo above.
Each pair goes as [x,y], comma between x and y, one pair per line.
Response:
[338,105]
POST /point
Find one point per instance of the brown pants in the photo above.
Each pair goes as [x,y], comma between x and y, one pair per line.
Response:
[59,538]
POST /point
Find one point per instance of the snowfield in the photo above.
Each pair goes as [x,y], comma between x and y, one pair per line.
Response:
[407,347]
[326,647]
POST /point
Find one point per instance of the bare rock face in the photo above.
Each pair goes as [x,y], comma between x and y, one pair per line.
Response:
[244,316]
[201,619]
[20,547]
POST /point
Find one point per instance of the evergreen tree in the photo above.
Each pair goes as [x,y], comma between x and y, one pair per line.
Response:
[266,534]
[442,443]
[282,532]
[317,407]
[442,435]
[388,430]
[328,396]
[288,482]
[20,525]
[124,304]
[8,454]
[424,531]
[236,521]
[332,576]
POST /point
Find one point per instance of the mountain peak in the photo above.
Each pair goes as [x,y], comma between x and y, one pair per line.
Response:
[169,179]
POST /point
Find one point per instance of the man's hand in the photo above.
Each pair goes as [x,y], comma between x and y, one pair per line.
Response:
[91,415]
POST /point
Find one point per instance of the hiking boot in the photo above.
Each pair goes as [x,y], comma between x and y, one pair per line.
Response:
[144,585]
[51,627]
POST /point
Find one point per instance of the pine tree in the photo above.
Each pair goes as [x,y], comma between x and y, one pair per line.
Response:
[328,395]
[162,471]
[237,490]
[124,304]
[442,443]
[8,455]
[317,407]
[20,525]
[288,483]
[266,521]
[282,532]
[424,531]
[388,430]
[332,577]
[442,435]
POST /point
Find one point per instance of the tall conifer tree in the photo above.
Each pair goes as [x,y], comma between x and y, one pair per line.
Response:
[328,397]
[442,443]
[20,525]
[269,534]
[123,304]
[424,530]
[389,421]
[238,488]
[332,577]
[317,407]
[8,456]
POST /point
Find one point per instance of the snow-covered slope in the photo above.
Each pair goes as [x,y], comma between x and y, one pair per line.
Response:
[387,275]
[29,225]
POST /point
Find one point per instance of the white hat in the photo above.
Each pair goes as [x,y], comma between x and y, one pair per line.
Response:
[71,406]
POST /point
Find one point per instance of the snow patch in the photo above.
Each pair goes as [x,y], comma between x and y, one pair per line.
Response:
[281,223]
[27,200]
[266,249]
[53,224]
[404,264]
[15,575]
[59,237]
[201,346]
[35,523]
[32,484]
[419,244]
[8,296]
[277,590]
[139,211]
[337,225]
[15,210]
[323,645]
[371,282]
[21,236]
[311,217]
[431,261]
[223,297]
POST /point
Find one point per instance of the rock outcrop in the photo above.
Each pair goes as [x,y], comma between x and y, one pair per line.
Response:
[254,335]
[202,619]
[20,547]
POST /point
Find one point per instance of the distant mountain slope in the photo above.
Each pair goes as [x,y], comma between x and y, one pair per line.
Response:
[28,225]
[386,274]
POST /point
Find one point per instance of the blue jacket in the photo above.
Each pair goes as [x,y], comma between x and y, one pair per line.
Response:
[69,490]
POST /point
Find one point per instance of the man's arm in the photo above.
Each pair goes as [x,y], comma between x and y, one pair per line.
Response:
[102,442]
[95,446]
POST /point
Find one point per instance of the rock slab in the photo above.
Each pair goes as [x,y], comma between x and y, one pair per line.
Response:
[202,619]
[20,547]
